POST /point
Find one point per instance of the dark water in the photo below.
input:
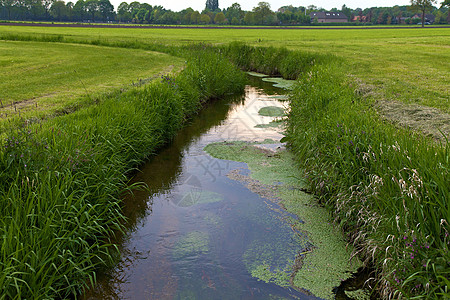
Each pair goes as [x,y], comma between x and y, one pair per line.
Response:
[197,234]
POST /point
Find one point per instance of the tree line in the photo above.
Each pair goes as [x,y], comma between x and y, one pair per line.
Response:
[262,14]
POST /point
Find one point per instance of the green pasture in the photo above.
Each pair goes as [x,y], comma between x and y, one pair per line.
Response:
[409,65]
[40,77]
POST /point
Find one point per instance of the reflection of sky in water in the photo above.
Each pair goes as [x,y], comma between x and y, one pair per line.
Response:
[242,119]
[202,231]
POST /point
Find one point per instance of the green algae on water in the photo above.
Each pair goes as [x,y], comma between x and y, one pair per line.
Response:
[326,262]
[358,295]
[273,124]
[256,74]
[193,243]
[272,111]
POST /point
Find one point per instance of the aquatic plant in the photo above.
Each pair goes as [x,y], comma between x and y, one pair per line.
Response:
[272,111]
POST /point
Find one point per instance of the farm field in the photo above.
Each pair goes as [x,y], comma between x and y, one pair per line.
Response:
[408,65]
[38,79]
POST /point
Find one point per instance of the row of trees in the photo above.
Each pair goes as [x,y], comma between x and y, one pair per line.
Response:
[58,10]
[135,12]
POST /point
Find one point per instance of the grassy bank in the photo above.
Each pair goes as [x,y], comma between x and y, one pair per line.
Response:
[388,187]
[60,180]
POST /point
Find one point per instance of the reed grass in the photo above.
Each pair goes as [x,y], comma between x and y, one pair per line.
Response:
[388,186]
[60,180]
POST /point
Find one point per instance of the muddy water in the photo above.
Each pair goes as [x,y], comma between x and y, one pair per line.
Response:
[198,234]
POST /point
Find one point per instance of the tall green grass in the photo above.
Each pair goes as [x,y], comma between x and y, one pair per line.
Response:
[276,61]
[388,187]
[60,180]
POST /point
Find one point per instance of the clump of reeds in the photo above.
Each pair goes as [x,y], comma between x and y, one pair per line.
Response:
[388,186]
[277,61]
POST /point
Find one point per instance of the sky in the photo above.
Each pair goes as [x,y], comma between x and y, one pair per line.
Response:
[177,5]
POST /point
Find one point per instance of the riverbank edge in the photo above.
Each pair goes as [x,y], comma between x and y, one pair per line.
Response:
[387,186]
[61,179]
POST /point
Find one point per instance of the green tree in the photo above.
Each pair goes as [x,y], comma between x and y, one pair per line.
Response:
[106,9]
[123,12]
[249,18]
[204,19]
[8,5]
[79,10]
[234,12]
[446,3]
[347,11]
[140,15]
[92,8]
[219,18]
[262,12]
[422,6]
[195,17]
[58,10]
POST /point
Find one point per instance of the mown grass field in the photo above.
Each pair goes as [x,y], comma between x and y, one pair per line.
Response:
[409,65]
[38,79]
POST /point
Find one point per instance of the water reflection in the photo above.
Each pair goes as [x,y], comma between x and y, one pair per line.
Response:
[196,234]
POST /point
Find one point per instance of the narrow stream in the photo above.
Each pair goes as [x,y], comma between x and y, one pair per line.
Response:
[197,233]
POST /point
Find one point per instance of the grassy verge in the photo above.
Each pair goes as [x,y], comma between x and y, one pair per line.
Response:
[388,187]
[60,180]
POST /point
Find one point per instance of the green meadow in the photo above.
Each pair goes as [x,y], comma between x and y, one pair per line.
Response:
[66,156]
[409,65]
[39,79]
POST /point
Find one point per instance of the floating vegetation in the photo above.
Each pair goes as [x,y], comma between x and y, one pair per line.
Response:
[273,124]
[198,196]
[358,295]
[281,82]
[326,260]
[271,259]
[256,74]
[272,111]
[212,219]
[279,97]
[192,244]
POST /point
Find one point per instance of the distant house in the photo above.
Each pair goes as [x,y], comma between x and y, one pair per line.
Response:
[328,17]
[361,19]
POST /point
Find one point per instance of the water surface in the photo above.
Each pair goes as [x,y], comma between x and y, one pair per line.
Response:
[198,234]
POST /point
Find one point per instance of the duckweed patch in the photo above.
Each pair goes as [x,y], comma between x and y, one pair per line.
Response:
[358,295]
[325,262]
[256,74]
[272,111]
